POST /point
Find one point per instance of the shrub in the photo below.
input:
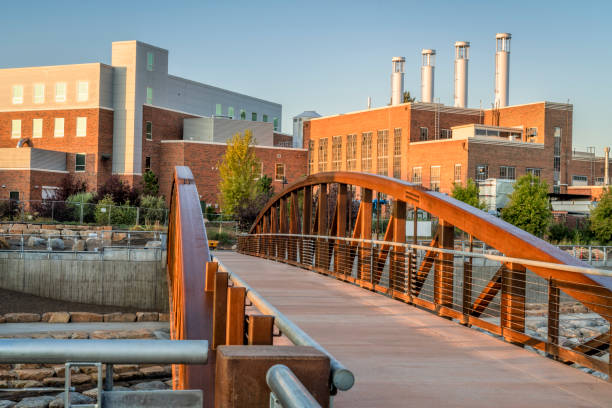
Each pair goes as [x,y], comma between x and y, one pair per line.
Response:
[224,238]
[107,213]
[82,200]
[119,192]
[152,209]
[558,232]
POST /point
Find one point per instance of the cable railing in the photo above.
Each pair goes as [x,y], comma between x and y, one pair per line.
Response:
[499,294]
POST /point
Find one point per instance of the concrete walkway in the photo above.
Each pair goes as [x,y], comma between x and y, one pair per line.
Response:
[9,329]
[403,356]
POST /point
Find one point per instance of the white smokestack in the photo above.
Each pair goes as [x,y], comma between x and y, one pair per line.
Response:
[369,102]
[502,69]
[397,80]
[427,75]
[607,167]
[462,56]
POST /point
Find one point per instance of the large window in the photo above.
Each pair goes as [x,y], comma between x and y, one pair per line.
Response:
[81,127]
[82,91]
[254,116]
[230,112]
[147,163]
[580,181]
[322,154]
[434,178]
[458,173]
[37,125]
[397,153]
[507,173]
[423,133]
[16,129]
[351,152]
[149,130]
[60,92]
[218,110]
[534,171]
[366,151]
[17,94]
[58,130]
[482,172]
[264,118]
[310,157]
[279,172]
[149,96]
[275,124]
[417,175]
[39,93]
[382,152]
[445,134]
[150,60]
[79,162]
[337,153]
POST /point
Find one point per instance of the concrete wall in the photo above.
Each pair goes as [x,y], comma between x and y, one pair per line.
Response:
[137,284]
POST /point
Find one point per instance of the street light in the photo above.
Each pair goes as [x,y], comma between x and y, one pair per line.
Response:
[285,182]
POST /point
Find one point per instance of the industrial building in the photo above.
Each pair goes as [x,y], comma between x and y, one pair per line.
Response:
[96,120]
[436,145]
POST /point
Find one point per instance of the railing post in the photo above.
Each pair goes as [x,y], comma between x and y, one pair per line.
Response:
[467,286]
[306,219]
[365,233]
[219,309]
[397,266]
[552,344]
[261,329]
[512,317]
[322,227]
[444,268]
[235,316]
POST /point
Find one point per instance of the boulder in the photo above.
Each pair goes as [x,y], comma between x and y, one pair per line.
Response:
[2,319]
[56,317]
[75,398]
[150,385]
[17,228]
[93,393]
[154,371]
[80,379]
[26,383]
[34,374]
[161,335]
[164,317]
[35,402]
[22,317]
[56,244]
[36,241]
[27,366]
[7,404]
[119,236]
[80,335]
[120,317]
[153,244]
[147,316]
[4,244]
[88,234]
[79,245]
[67,233]
[94,244]
[103,335]
[127,376]
[8,375]
[136,334]
[60,370]
[54,382]
[79,317]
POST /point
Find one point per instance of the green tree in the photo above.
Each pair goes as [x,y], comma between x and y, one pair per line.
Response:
[529,208]
[238,172]
[468,194]
[407,98]
[264,186]
[601,218]
[150,184]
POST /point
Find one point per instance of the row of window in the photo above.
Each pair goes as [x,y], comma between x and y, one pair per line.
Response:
[231,113]
[279,171]
[61,89]
[444,134]
[505,172]
[58,128]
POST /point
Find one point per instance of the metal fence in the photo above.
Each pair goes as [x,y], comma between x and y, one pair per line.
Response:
[498,294]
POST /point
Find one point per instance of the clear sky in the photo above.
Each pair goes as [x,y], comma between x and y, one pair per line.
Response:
[329,56]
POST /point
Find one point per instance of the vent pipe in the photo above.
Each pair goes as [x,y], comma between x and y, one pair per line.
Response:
[427,75]
[462,55]
[607,167]
[502,69]
[397,80]
[369,102]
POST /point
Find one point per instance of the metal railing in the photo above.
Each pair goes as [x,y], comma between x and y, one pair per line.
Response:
[287,390]
[499,294]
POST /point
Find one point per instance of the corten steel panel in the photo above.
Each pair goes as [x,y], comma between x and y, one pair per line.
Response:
[241,365]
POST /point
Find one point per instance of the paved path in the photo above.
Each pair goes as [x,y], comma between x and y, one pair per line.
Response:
[403,356]
[29,328]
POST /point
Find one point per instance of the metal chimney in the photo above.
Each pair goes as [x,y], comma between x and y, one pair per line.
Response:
[462,55]
[427,75]
[397,80]
[607,167]
[502,69]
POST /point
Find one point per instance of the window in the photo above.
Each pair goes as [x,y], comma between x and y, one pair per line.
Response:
[17,94]
[265,118]
[382,151]
[60,92]
[218,110]
[242,114]
[557,156]
[149,130]
[79,162]
[424,134]
[37,128]
[275,120]
[81,126]
[458,173]
[434,178]
[149,96]
[49,192]
[258,170]
[397,153]
[59,127]
[337,153]
[417,176]
[279,172]
[14,195]
[39,93]
[150,58]
[322,154]
[230,112]
[445,134]
[482,172]
[366,151]
[599,181]
[534,171]
[82,91]
[507,173]
[311,156]
[254,116]
[580,181]
[351,152]
[147,163]
[16,129]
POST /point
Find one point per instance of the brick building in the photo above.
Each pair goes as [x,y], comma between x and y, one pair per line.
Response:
[115,119]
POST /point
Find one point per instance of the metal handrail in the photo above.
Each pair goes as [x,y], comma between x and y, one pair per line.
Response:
[341,377]
[499,258]
[288,389]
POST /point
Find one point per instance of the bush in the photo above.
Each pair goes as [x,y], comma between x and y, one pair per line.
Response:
[224,238]
[107,213]
[558,232]
[119,192]
[153,209]
[84,200]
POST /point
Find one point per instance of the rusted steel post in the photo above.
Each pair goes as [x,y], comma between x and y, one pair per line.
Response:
[266,230]
[552,344]
[274,230]
[322,227]
[211,271]
[443,278]
[341,216]
[293,227]
[365,270]
[413,269]
[467,286]
[234,335]
[284,228]
[397,265]
[261,329]
[219,309]
[306,223]
[513,299]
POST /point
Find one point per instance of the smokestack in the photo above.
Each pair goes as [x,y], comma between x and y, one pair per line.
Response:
[607,167]
[502,69]
[397,80]
[427,75]
[369,102]
[462,55]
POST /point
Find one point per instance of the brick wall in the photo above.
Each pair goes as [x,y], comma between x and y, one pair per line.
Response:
[280,139]
[28,183]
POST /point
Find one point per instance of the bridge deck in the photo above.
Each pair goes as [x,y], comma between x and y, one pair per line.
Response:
[404,356]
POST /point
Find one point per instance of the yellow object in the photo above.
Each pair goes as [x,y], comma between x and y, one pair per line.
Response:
[212,244]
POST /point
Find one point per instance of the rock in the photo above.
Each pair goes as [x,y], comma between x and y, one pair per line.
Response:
[26,383]
[147,316]
[67,233]
[80,379]
[123,368]
[161,335]
[56,244]
[136,334]
[120,317]
[93,393]
[103,335]
[169,383]
[79,245]
[27,366]
[164,317]
[7,404]
[127,376]
[54,382]
[153,244]
[94,244]
[4,244]
[154,371]
[22,317]
[61,335]
[17,228]
[34,374]
[8,375]
[36,241]
[75,398]
[56,317]
[80,335]
[77,317]
[2,319]
[150,385]
[35,402]
[119,236]
[60,370]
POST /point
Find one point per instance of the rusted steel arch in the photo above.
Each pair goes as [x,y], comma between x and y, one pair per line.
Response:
[190,307]
[508,239]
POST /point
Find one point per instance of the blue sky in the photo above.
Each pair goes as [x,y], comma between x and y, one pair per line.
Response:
[329,56]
